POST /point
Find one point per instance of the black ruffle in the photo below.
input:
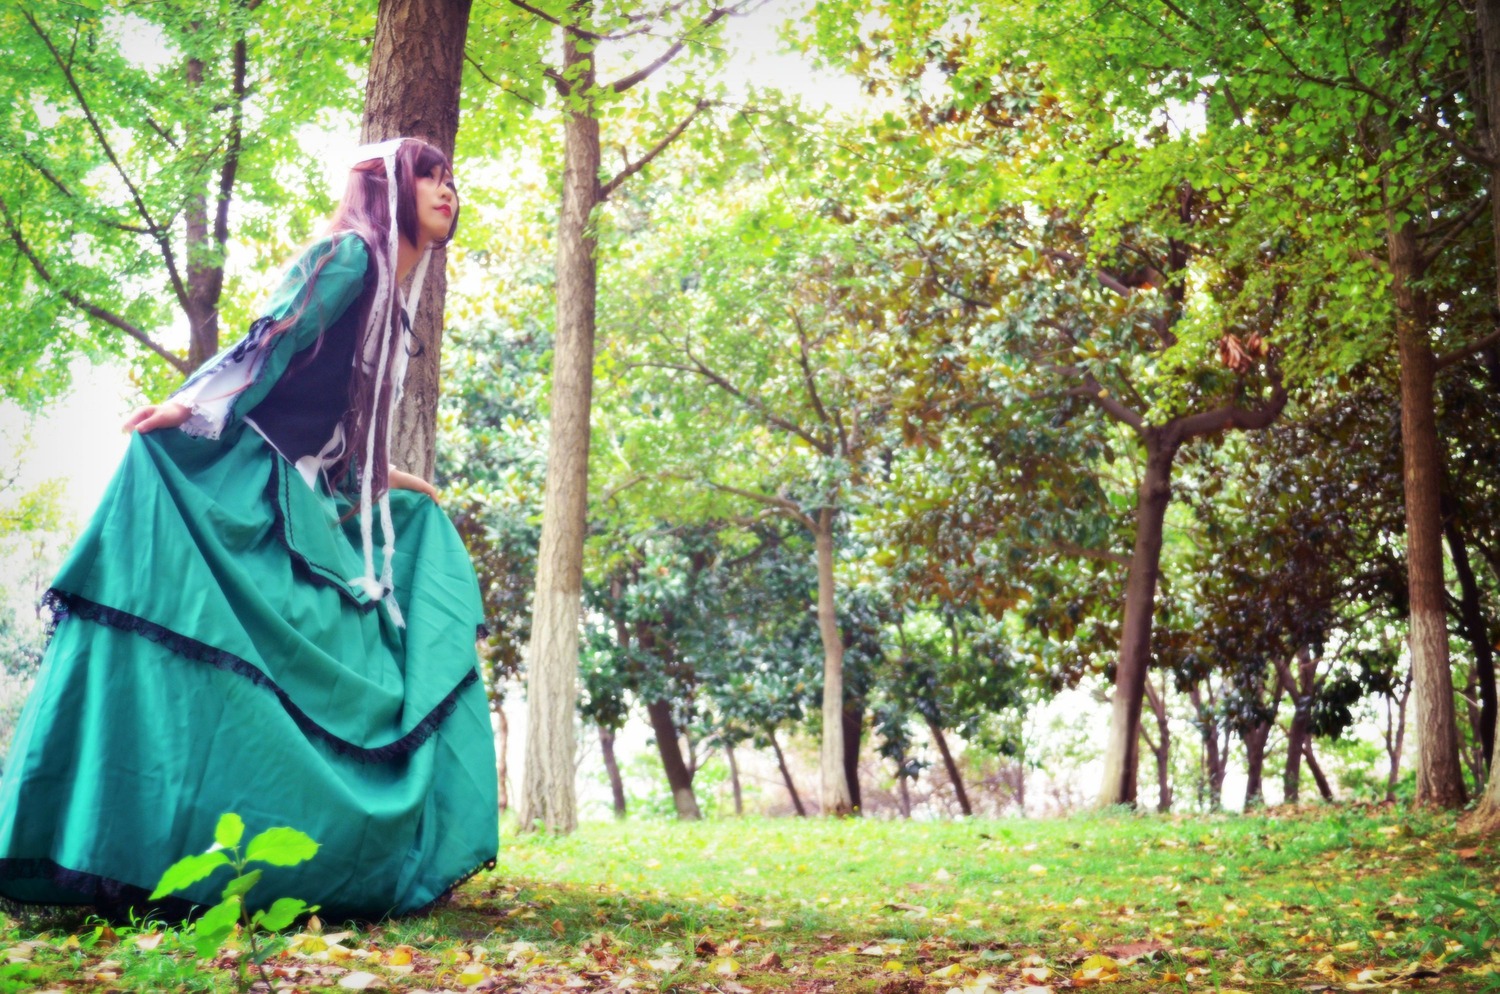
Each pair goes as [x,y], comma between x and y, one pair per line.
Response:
[63,603]
[112,899]
[122,902]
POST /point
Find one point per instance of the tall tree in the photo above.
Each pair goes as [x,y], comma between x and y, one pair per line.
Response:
[416,70]
[547,793]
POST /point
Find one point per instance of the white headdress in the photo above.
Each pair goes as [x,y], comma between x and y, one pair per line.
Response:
[384,325]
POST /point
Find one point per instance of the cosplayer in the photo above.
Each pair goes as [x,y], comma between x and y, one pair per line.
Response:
[263,617]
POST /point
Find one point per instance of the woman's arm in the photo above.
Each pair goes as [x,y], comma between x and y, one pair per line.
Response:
[407,481]
[170,414]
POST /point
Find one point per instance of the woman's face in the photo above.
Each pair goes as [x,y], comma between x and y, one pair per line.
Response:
[437,204]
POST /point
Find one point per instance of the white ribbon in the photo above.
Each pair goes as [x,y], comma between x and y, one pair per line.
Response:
[377,352]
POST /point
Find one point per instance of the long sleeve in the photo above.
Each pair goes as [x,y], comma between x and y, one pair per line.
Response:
[229,386]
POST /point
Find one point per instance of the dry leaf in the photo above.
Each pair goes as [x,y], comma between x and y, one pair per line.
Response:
[360,981]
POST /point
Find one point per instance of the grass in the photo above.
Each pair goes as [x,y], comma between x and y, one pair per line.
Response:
[1328,899]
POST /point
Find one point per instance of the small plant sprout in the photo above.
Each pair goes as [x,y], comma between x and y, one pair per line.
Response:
[273,847]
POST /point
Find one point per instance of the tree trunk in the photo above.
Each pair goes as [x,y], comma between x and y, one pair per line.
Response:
[1163,748]
[502,742]
[416,68]
[612,767]
[1476,630]
[1394,741]
[954,777]
[903,791]
[1317,771]
[1440,779]
[1488,16]
[786,775]
[552,671]
[834,795]
[1255,760]
[1122,754]
[853,723]
[1302,688]
[734,780]
[1215,762]
[679,778]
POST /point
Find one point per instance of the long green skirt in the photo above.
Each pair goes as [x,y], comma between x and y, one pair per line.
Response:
[213,655]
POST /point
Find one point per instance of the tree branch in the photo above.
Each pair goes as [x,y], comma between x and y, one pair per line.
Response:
[1231,415]
[1473,348]
[158,234]
[1459,226]
[785,505]
[709,20]
[62,188]
[631,168]
[497,84]
[74,298]
[756,404]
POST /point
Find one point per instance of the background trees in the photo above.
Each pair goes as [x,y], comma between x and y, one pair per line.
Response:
[923,407]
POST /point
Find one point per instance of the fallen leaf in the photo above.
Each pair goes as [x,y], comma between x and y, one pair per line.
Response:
[360,981]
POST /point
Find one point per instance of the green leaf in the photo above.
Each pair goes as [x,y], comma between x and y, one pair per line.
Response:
[230,830]
[280,914]
[216,924]
[241,884]
[281,847]
[188,871]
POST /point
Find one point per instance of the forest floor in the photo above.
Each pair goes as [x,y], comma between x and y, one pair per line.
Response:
[1321,899]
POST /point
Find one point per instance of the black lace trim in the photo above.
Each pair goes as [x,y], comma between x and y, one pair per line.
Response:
[282,527]
[120,901]
[63,603]
[111,898]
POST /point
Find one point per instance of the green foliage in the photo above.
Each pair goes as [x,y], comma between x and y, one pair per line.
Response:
[280,846]
[140,123]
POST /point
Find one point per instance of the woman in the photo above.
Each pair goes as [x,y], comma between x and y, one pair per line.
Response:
[263,617]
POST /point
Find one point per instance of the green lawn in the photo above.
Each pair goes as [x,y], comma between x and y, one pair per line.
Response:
[1324,900]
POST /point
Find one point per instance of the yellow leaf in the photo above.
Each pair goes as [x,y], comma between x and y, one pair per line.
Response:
[727,967]
[1347,947]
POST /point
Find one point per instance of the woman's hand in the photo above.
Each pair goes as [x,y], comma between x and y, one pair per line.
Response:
[406,481]
[153,416]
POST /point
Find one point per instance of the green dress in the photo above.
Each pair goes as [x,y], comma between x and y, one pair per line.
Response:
[215,651]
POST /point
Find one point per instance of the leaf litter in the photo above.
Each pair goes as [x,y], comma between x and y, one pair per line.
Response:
[1326,902]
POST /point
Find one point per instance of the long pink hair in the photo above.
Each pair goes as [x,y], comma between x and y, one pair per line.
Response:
[363,211]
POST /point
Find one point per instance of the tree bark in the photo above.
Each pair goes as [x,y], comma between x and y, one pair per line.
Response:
[1122,754]
[1317,771]
[786,775]
[954,777]
[1302,688]
[1476,630]
[1215,763]
[1162,749]
[834,794]
[903,791]
[612,768]
[1440,781]
[416,68]
[734,780]
[853,730]
[552,670]
[502,743]
[679,778]
[1255,760]
[1395,740]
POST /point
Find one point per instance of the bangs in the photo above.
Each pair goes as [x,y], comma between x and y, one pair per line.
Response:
[428,158]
